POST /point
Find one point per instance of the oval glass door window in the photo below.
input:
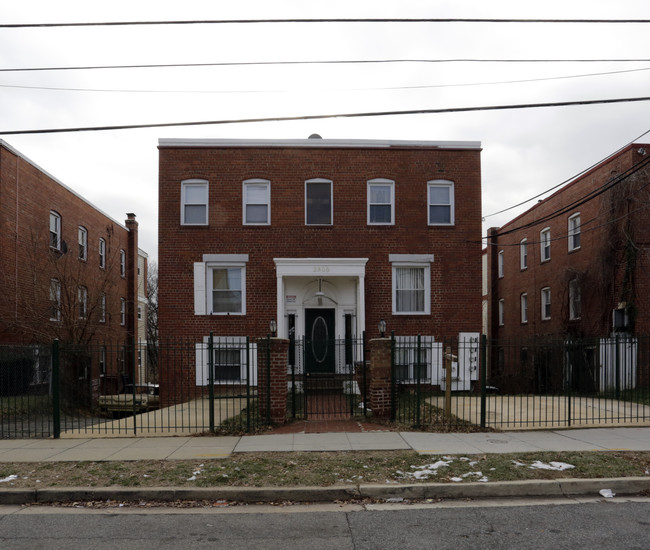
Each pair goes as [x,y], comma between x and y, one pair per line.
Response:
[319,338]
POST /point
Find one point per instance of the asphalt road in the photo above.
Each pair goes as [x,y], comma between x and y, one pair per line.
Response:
[612,524]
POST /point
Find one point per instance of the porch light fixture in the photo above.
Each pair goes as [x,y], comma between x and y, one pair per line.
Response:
[382,328]
[273,327]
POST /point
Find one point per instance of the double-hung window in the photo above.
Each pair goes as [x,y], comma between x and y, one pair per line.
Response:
[440,202]
[122,262]
[102,308]
[575,300]
[318,202]
[55,230]
[194,202]
[545,244]
[523,254]
[502,312]
[500,264]
[55,300]
[411,283]
[523,303]
[83,243]
[122,311]
[257,202]
[381,202]
[102,253]
[546,303]
[82,295]
[226,286]
[574,232]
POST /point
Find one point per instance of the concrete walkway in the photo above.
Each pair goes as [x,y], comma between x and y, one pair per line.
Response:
[202,448]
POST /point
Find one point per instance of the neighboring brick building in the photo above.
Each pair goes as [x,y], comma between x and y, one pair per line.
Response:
[577,263]
[320,235]
[67,270]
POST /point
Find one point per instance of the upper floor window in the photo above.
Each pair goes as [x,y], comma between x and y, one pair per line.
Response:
[545,244]
[102,308]
[523,303]
[546,303]
[194,202]
[500,263]
[441,202]
[102,253]
[257,202]
[83,243]
[82,295]
[122,262]
[55,230]
[381,202]
[575,301]
[318,202]
[55,300]
[411,283]
[523,254]
[574,232]
[501,312]
[122,311]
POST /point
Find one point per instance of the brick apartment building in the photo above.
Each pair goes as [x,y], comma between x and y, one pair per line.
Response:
[67,270]
[576,264]
[323,236]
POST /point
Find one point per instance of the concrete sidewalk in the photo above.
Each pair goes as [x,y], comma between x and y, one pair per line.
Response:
[202,448]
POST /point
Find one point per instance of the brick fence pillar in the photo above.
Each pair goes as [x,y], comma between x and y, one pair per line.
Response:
[379,377]
[272,361]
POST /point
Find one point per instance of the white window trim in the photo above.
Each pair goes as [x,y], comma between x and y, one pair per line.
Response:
[523,306]
[83,243]
[523,254]
[542,240]
[321,180]
[502,312]
[452,206]
[412,260]
[572,232]
[122,262]
[82,301]
[202,284]
[383,182]
[122,311]
[500,268]
[195,183]
[257,182]
[57,229]
[203,363]
[102,253]
[55,299]
[544,291]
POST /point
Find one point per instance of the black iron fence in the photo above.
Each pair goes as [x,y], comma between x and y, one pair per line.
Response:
[536,383]
[327,379]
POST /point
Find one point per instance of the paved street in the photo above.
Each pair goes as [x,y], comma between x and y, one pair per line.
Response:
[531,525]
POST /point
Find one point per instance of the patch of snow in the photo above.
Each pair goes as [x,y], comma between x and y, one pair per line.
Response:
[607,493]
[557,466]
[10,478]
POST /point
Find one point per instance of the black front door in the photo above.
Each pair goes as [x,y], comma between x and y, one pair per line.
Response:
[319,341]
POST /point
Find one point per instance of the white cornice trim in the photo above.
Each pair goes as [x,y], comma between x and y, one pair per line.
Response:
[316,143]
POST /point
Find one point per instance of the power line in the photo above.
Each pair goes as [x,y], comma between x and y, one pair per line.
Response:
[569,179]
[376,88]
[317,62]
[324,20]
[321,117]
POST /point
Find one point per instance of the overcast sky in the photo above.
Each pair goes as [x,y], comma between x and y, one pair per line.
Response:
[525,151]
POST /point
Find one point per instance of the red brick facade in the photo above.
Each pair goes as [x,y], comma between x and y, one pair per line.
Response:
[454,271]
[28,262]
[607,271]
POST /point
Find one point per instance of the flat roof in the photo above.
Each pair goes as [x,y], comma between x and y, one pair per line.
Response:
[319,143]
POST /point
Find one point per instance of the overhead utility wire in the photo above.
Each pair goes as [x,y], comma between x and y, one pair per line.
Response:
[317,62]
[321,117]
[568,179]
[579,202]
[379,88]
[324,20]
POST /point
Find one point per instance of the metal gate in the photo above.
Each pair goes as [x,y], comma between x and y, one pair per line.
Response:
[327,378]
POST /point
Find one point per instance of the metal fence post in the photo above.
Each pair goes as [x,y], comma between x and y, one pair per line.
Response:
[618,367]
[570,388]
[393,400]
[292,346]
[133,389]
[268,379]
[56,391]
[211,380]
[364,375]
[483,367]
[418,387]
[248,384]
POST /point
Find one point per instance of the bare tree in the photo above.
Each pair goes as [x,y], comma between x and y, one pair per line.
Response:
[152,319]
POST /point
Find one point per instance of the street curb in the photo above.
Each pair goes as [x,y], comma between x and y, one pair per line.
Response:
[499,489]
